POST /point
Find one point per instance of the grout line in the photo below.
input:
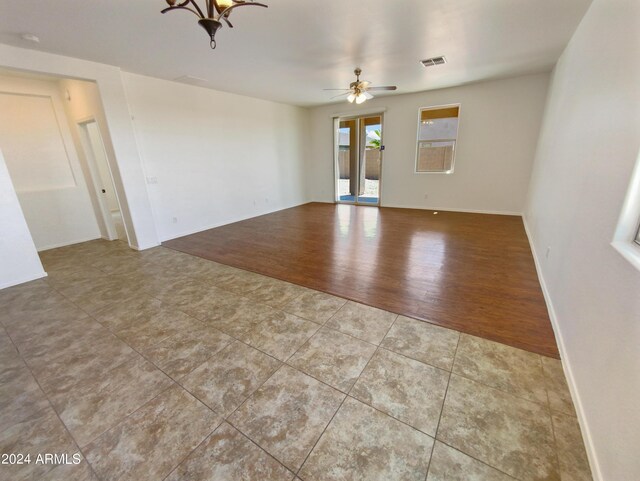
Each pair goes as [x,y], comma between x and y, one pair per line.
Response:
[321,434]
[203,322]
[444,401]
[479,460]
[64,426]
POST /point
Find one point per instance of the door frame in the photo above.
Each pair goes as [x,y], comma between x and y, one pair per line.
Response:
[336,169]
[96,180]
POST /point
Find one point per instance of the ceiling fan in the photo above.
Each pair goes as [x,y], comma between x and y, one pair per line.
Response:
[360,90]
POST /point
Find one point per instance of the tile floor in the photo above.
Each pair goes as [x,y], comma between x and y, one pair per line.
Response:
[158,365]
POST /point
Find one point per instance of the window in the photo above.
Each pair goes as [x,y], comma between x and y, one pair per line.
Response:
[437,135]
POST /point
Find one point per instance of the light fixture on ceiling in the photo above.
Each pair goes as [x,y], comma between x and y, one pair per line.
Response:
[216,12]
[358,91]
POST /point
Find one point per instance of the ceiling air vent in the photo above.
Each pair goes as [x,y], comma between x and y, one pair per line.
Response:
[430,62]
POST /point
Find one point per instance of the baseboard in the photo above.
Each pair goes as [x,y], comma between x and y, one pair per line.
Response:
[449,209]
[566,363]
[144,247]
[439,209]
[240,219]
[67,243]
[22,280]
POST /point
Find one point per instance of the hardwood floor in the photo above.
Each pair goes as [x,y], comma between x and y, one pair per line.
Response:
[469,272]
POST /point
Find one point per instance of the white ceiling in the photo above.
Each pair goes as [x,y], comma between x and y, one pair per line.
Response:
[295,48]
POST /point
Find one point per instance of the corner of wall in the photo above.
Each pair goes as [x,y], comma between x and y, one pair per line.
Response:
[566,362]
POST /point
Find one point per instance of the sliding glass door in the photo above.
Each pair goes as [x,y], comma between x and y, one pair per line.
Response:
[358,159]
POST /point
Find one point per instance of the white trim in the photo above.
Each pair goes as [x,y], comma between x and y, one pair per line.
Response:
[67,243]
[142,248]
[624,238]
[358,113]
[629,250]
[566,364]
[451,209]
[22,280]
[220,224]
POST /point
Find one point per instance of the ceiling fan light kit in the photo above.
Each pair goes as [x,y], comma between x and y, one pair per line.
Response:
[216,11]
[359,91]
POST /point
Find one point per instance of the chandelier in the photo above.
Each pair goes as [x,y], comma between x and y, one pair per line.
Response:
[216,12]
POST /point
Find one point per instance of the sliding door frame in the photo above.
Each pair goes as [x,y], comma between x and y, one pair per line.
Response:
[361,154]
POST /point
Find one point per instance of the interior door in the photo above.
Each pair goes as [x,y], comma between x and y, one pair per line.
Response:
[358,159]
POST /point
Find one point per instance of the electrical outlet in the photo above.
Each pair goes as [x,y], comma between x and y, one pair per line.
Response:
[174,220]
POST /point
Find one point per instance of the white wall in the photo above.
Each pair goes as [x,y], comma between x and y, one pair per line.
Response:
[19,261]
[43,163]
[499,127]
[212,158]
[138,217]
[588,147]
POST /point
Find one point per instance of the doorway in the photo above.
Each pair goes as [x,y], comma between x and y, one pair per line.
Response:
[102,180]
[358,159]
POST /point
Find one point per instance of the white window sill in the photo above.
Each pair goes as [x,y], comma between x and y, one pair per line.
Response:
[628,250]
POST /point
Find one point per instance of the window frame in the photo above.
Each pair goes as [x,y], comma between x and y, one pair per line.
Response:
[626,238]
[455,145]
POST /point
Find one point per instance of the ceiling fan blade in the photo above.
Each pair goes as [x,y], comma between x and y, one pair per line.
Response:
[337,89]
[340,95]
[388,87]
[364,84]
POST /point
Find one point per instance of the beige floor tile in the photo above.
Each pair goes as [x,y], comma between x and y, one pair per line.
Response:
[23,297]
[315,306]
[422,341]
[69,275]
[509,433]
[26,309]
[151,442]
[574,464]
[503,367]
[405,389]
[10,360]
[20,396]
[224,381]
[83,359]
[145,321]
[227,455]
[276,293]
[364,322]
[557,388]
[281,335]
[96,293]
[92,407]
[333,358]
[48,340]
[287,415]
[448,464]
[40,434]
[362,443]
[240,281]
[172,306]
[237,315]
[182,353]
[189,295]
[116,263]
